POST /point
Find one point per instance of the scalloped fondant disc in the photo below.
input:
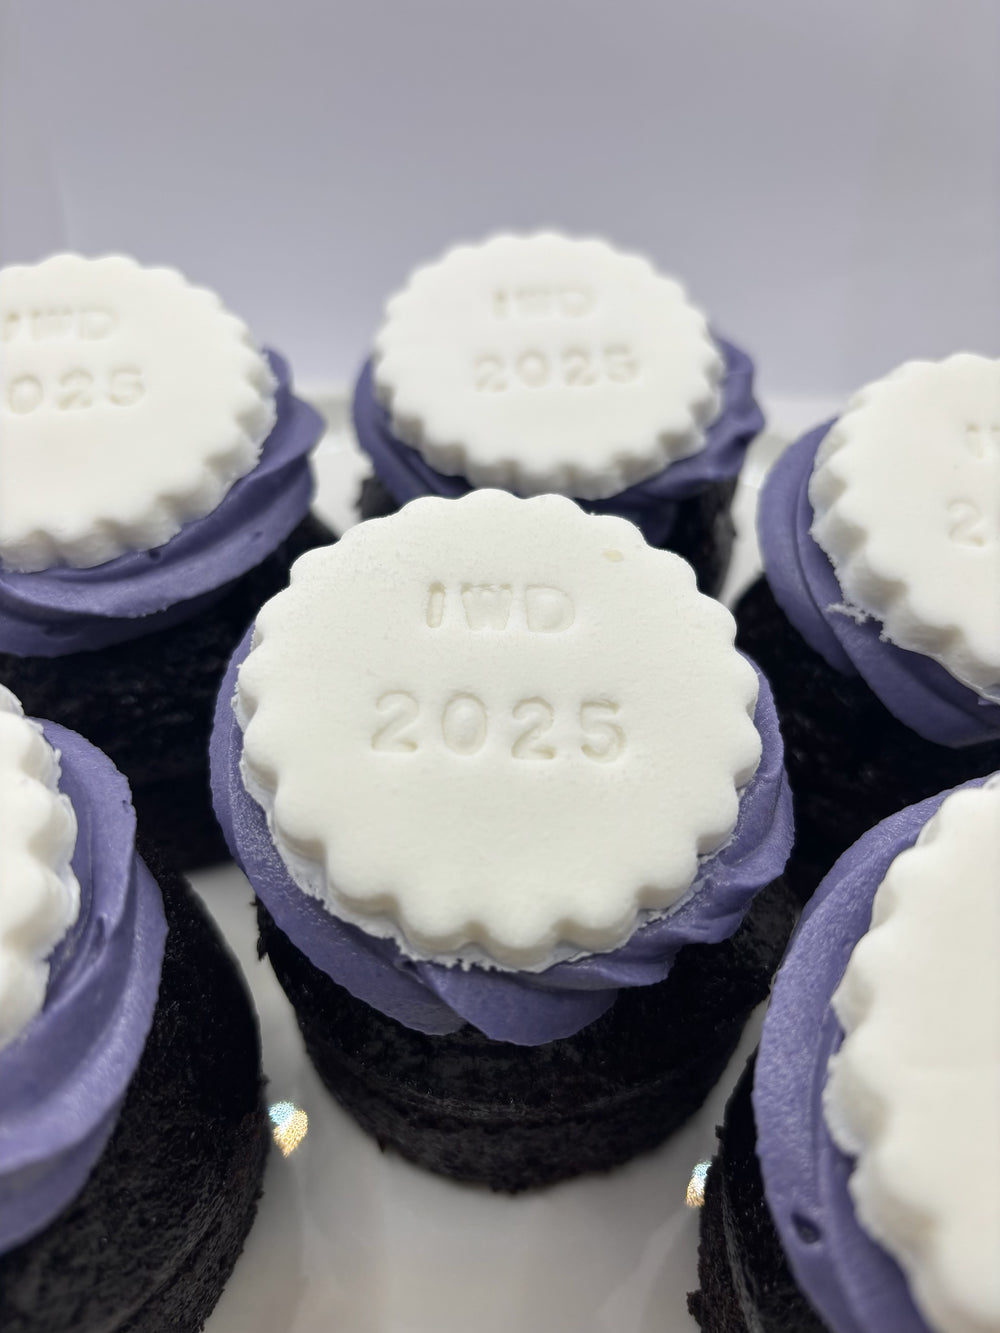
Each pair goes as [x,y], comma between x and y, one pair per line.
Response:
[130,402]
[546,363]
[496,729]
[914,1093]
[39,894]
[906,493]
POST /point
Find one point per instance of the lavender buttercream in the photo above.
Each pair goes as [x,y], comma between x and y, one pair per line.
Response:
[651,504]
[853,1283]
[920,692]
[63,1079]
[524,1008]
[64,610]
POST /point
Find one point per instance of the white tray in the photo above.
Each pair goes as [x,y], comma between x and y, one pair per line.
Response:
[354,1240]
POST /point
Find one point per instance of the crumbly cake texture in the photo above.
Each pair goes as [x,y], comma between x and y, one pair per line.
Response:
[151,1240]
[516,1117]
[850,763]
[745,1285]
[702,532]
[148,702]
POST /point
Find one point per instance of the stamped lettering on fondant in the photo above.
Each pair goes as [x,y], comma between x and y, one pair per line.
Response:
[466,721]
[906,495]
[89,323]
[400,709]
[538,608]
[571,301]
[967,523]
[75,390]
[130,403]
[82,386]
[543,718]
[539,716]
[980,439]
[572,368]
[543,363]
[486,606]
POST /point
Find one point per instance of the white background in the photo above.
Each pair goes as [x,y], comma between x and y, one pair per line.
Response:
[824,174]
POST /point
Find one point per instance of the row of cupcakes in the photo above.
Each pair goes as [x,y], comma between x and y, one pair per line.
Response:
[492,769]
[130,566]
[132,1136]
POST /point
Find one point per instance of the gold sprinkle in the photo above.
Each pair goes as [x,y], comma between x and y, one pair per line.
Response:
[613,555]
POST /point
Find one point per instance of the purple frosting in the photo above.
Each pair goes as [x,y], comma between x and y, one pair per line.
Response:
[525,1008]
[63,1079]
[913,687]
[850,1280]
[651,504]
[63,610]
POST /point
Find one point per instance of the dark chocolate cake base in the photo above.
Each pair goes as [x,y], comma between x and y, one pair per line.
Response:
[702,531]
[149,1243]
[514,1117]
[850,763]
[745,1282]
[148,703]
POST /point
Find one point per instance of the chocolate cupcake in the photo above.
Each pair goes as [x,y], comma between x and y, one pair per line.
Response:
[132,1131]
[543,363]
[877,620]
[859,1190]
[154,489]
[515,814]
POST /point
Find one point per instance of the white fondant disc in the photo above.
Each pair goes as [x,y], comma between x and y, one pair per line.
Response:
[130,402]
[496,729]
[543,363]
[914,1093]
[906,492]
[39,894]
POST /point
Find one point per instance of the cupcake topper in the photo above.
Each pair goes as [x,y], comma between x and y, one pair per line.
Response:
[906,494]
[496,730]
[39,894]
[541,363]
[914,1092]
[130,402]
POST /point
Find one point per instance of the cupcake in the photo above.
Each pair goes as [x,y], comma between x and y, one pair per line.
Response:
[877,619]
[543,363]
[859,1190]
[132,1132]
[515,814]
[154,489]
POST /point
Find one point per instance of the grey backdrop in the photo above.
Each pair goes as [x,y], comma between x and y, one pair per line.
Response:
[824,176]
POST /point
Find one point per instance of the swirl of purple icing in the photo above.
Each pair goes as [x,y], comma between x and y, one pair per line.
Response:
[913,687]
[651,504]
[521,1007]
[853,1283]
[63,610]
[63,1079]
